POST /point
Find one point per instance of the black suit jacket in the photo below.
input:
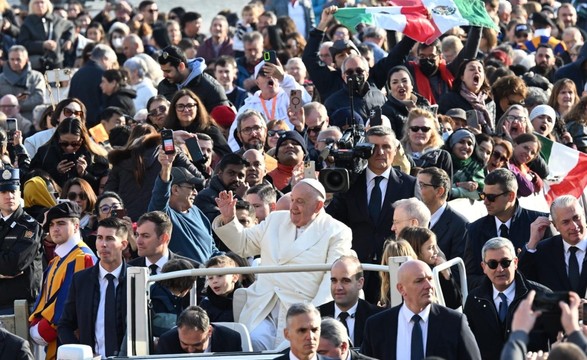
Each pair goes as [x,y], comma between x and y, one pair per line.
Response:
[14,347]
[451,232]
[352,208]
[484,229]
[449,335]
[364,311]
[223,340]
[355,355]
[547,266]
[81,308]
[141,262]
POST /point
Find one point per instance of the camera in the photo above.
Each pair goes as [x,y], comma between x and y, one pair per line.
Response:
[350,158]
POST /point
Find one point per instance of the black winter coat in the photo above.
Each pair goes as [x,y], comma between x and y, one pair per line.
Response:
[364,102]
[397,112]
[123,98]
[204,85]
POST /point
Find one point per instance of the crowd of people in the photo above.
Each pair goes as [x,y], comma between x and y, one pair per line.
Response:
[130,137]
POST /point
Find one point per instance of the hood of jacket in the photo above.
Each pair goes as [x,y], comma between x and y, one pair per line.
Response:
[197,67]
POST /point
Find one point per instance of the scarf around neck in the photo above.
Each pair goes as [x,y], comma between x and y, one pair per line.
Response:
[477,101]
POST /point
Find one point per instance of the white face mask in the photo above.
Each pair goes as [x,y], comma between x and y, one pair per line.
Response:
[117,43]
[542,32]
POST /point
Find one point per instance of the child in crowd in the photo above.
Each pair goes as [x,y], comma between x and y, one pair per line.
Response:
[247,24]
[167,296]
[220,289]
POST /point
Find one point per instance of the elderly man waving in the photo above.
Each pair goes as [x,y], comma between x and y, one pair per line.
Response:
[303,235]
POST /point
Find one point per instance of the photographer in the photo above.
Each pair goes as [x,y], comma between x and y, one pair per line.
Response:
[364,96]
[525,317]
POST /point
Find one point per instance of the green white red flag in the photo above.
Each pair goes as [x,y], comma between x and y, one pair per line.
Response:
[567,167]
[421,20]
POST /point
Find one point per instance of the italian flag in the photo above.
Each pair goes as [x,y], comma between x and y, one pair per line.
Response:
[421,20]
[568,170]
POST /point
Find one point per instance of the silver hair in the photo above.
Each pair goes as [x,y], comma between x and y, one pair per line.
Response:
[247,114]
[415,210]
[136,64]
[333,331]
[301,308]
[562,202]
[498,243]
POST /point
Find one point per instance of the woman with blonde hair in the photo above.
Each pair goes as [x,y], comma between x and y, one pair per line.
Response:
[392,248]
[422,141]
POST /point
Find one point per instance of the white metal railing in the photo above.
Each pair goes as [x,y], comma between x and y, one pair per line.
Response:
[139,281]
[462,276]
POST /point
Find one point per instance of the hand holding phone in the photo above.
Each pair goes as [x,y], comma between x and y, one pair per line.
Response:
[194,150]
[270,56]
[295,100]
[168,144]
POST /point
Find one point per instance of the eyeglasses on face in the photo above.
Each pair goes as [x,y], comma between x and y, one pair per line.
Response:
[423,185]
[328,141]
[491,197]
[351,72]
[250,129]
[107,208]
[161,109]
[72,195]
[513,118]
[424,129]
[276,132]
[191,187]
[183,107]
[70,112]
[316,129]
[492,264]
[73,144]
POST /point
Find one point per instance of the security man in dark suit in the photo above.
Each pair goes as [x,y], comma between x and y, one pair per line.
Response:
[505,218]
[95,311]
[346,282]
[21,268]
[194,334]
[366,207]
[449,226]
[418,328]
[14,347]
[559,261]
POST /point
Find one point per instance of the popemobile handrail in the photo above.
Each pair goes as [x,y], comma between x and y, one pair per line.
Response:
[462,275]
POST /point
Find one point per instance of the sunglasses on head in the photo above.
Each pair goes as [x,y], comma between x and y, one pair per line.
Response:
[72,195]
[276,132]
[505,263]
[69,112]
[424,129]
[161,109]
[74,144]
[491,197]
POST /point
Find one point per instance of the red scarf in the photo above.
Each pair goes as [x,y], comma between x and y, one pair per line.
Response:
[423,83]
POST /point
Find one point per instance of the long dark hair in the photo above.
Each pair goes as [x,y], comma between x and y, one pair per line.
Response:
[202,121]
[456,85]
[75,126]
[276,38]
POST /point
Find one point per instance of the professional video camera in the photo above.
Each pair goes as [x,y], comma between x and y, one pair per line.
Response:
[350,156]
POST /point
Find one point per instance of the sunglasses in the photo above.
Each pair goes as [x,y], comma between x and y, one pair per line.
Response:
[72,195]
[499,156]
[424,129]
[491,197]
[73,144]
[358,71]
[153,10]
[161,109]
[69,112]
[276,132]
[505,263]
[316,129]
[183,107]
[328,141]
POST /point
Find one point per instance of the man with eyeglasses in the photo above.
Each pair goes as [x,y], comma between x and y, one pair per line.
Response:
[10,107]
[505,218]
[558,262]
[174,193]
[179,73]
[20,246]
[316,120]
[409,212]
[327,138]
[355,73]
[449,226]
[149,13]
[252,134]
[20,80]
[490,307]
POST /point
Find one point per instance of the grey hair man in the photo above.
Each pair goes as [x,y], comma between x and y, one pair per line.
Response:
[334,342]
[303,331]
[409,212]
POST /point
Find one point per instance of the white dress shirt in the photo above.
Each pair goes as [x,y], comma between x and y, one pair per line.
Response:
[370,175]
[162,261]
[509,293]
[100,340]
[582,245]
[350,321]
[404,331]
[498,224]
[437,214]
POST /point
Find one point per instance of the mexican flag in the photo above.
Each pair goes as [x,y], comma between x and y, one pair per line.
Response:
[568,170]
[421,20]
